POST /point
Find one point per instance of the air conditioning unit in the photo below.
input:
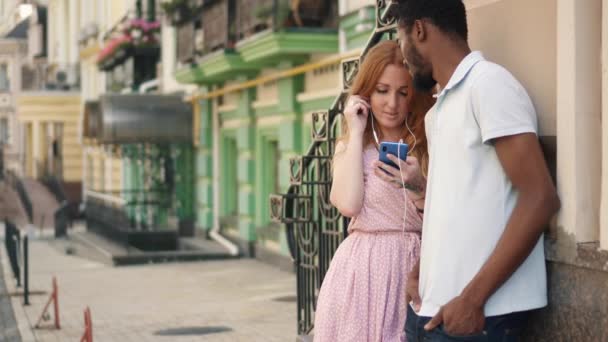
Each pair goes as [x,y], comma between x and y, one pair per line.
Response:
[64,78]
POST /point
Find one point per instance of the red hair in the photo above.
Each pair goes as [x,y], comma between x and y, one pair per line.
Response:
[377,59]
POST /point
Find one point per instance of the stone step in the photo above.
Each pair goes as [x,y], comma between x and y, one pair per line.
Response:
[44,203]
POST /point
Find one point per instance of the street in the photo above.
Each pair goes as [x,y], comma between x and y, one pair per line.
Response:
[235,300]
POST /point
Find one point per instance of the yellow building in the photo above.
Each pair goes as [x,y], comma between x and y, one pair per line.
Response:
[51,130]
[47,108]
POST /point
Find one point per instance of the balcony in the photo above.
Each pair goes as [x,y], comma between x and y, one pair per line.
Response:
[50,77]
[207,30]
[254,16]
[130,52]
[222,39]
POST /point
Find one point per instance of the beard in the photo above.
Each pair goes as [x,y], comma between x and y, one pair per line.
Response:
[423,81]
[422,77]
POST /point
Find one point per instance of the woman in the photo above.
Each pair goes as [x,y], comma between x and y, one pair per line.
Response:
[362,297]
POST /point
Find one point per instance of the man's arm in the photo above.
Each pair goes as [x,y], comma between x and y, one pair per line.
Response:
[524,164]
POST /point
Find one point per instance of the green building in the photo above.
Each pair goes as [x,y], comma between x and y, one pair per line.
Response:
[261,69]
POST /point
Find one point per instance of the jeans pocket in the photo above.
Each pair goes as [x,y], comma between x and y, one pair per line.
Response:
[472,338]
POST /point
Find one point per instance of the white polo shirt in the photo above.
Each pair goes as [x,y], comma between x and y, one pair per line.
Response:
[469,198]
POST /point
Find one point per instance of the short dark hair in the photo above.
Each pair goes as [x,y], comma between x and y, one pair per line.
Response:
[448,15]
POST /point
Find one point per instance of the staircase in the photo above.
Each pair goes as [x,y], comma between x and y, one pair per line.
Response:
[11,207]
[44,203]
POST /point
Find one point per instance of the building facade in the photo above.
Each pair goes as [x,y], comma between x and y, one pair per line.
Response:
[13,53]
[40,99]
[138,140]
[260,72]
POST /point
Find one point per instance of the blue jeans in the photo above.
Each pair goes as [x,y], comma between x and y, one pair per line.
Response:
[503,328]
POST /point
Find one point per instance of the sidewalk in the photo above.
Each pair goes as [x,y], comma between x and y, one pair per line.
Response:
[236,300]
[8,326]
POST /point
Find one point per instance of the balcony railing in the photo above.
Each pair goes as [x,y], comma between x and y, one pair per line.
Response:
[314,227]
[220,24]
[43,77]
[253,16]
[206,28]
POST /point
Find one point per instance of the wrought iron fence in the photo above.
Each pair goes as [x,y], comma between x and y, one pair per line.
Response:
[12,241]
[314,227]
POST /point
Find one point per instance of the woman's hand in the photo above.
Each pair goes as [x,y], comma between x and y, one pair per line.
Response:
[413,180]
[356,112]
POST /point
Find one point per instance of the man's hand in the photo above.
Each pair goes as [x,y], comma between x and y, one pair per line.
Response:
[411,288]
[460,317]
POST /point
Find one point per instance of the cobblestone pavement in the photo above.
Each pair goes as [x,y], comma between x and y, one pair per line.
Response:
[236,300]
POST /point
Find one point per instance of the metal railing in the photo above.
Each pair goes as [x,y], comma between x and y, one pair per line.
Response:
[107,220]
[116,225]
[16,183]
[54,185]
[18,255]
[63,217]
[12,242]
[253,16]
[314,227]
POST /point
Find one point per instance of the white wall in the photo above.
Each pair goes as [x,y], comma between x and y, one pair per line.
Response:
[578,117]
[521,35]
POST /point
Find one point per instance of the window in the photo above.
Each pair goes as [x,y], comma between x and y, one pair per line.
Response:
[4,132]
[4,78]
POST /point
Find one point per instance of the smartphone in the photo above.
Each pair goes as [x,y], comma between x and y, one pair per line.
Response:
[397,149]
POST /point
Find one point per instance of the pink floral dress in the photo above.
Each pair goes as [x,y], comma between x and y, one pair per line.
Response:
[362,297]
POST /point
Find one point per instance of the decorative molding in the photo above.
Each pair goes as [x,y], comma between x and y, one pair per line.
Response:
[227,108]
[235,123]
[274,120]
[264,103]
[309,96]
[272,45]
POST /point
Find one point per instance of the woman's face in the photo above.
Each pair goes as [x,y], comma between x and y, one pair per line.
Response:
[390,98]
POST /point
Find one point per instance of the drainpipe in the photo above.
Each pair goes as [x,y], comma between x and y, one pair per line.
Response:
[217,237]
[215,231]
[144,87]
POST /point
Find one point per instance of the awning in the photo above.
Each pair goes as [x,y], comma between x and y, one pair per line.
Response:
[145,118]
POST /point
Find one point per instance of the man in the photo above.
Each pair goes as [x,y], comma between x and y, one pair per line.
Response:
[489,195]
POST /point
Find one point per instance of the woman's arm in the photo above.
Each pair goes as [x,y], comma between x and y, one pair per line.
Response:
[347,186]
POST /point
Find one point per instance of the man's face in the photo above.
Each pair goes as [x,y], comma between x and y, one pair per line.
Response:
[419,68]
